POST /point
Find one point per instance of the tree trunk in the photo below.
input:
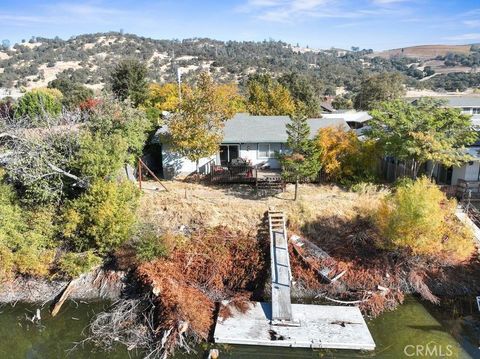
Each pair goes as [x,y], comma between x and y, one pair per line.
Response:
[433,169]
[197,165]
[296,189]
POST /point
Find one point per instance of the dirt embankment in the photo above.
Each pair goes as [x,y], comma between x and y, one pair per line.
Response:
[98,284]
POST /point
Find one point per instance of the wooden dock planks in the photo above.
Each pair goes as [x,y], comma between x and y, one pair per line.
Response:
[280,266]
[284,324]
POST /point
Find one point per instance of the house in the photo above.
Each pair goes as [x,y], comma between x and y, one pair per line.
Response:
[469,105]
[255,139]
[470,171]
[354,119]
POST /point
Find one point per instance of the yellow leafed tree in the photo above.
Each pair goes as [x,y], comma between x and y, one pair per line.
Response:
[165,97]
[419,217]
[196,129]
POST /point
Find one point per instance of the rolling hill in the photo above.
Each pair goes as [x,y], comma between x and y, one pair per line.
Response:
[88,59]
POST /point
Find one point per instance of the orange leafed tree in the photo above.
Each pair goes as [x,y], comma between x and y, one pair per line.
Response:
[344,156]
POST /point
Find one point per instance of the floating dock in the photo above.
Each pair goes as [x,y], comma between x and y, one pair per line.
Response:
[319,326]
[284,324]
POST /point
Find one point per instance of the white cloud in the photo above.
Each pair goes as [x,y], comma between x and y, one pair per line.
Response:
[295,10]
[464,37]
[387,2]
[66,13]
[472,23]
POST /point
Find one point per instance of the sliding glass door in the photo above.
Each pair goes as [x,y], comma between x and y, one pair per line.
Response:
[228,153]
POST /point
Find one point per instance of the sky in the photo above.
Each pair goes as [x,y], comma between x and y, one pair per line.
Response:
[375,24]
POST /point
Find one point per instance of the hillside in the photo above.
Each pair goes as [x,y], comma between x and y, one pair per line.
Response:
[88,59]
[425,52]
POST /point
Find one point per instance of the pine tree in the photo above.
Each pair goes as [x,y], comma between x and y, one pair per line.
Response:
[129,80]
[303,159]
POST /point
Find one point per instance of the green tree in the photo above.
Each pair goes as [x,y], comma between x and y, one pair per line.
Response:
[379,88]
[111,117]
[102,218]
[195,131]
[423,132]
[342,103]
[38,104]
[74,93]
[26,236]
[303,161]
[100,156]
[302,92]
[266,96]
[129,80]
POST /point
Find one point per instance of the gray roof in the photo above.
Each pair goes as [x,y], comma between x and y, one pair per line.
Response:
[244,128]
[463,101]
[458,101]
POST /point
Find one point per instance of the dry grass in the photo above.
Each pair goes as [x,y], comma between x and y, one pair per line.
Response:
[425,51]
[198,206]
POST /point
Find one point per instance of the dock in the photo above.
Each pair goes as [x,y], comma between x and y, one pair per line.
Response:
[281,323]
[280,268]
[319,326]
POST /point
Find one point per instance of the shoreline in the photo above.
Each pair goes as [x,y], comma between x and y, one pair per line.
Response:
[97,284]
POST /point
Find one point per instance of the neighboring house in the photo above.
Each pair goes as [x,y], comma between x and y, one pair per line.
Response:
[326,107]
[256,139]
[470,171]
[354,119]
[467,104]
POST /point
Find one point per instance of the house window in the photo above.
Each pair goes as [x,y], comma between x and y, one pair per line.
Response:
[269,150]
[476,110]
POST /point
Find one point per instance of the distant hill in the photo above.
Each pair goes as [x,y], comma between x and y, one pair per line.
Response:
[425,52]
[89,58]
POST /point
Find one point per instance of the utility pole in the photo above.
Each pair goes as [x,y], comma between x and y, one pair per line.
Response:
[179,79]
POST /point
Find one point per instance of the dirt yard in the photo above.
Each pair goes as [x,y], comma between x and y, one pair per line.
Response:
[194,206]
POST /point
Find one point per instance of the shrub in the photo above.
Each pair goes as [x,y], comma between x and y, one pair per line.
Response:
[26,237]
[100,156]
[420,218]
[111,117]
[33,261]
[74,93]
[75,264]
[38,103]
[102,218]
[150,244]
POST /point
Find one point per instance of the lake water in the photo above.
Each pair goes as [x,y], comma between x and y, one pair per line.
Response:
[452,331]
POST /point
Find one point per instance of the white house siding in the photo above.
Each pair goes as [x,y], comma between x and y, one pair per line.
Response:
[176,165]
[458,173]
[249,152]
[468,172]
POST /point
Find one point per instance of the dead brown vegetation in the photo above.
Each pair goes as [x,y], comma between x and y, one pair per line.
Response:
[378,278]
[216,264]
[223,254]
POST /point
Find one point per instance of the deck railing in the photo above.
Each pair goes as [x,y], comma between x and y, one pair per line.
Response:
[237,173]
